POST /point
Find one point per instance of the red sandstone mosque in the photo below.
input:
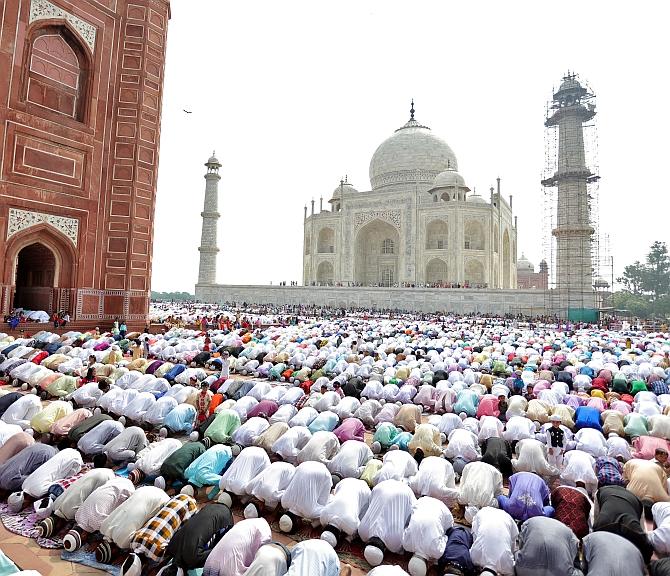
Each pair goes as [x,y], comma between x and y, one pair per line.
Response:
[80,114]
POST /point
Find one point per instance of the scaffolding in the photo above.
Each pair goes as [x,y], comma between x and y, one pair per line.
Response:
[575,170]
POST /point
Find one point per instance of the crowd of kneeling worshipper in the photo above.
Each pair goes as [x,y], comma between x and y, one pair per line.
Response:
[448,446]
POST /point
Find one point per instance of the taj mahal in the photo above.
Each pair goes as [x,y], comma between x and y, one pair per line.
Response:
[420,239]
[431,229]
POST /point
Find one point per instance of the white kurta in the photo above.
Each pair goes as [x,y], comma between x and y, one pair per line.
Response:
[64,464]
[122,523]
[308,491]
[387,516]
[152,457]
[425,534]
[248,464]
[269,486]
[494,535]
[351,459]
[347,505]
[435,478]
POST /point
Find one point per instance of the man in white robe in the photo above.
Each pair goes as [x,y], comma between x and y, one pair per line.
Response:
[518,428]
[306,495]
[396,465]
[579,466]
[346,506]
[480,486]
[65,507]
[268,487]
[289,444]
[426,534]
[124,521]
[435,478]
[383,525]
[494,535]
[313,558]
[321,447]
[533,458]
[350,461]
[22,411]
[235,481]
[66,463]
[591,441]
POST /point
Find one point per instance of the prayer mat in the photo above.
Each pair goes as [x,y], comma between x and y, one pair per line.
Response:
[86,557]
[23,524]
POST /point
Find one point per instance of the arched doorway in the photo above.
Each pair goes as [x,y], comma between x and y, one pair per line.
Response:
[436,272]
[377,251]
[36,273]
[474,273]
[325,274]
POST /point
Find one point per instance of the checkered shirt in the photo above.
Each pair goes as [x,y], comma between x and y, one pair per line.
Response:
[154,536]
[659,387]
[609,472]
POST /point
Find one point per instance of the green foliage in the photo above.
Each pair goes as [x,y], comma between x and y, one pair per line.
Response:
[647,285]
[168,296]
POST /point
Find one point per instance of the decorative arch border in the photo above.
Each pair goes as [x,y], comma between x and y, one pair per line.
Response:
[20,220]
[391,217]
[45,10]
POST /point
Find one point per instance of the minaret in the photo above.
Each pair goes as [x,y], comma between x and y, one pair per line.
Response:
[210,217]
[572,106]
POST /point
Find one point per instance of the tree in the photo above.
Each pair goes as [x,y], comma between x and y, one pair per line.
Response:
[657,271]
[633,278]
[636,305]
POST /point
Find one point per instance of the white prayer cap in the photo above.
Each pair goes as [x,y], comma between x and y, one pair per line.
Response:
[250,511]
[132,566]
[417,566]
[15,501]
[373,555]
[225,499]
[286,523]
[159,482]
[329,537]
[188,490]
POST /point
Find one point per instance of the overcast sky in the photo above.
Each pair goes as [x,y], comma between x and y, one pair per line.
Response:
[294,94]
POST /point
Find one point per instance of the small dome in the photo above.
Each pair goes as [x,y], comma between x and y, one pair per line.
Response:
[213,161]
[476,199]
[345,187]
[447,179]
[524,264]
[411,154]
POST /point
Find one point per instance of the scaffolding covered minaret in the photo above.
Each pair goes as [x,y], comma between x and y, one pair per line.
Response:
[210,217]
[571,107]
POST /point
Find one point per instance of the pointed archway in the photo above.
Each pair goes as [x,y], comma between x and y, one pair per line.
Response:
[35,278]
[40,266]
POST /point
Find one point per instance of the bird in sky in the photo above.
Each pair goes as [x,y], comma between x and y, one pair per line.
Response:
[187,111]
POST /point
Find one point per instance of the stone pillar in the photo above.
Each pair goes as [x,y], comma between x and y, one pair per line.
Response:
[573,229]
[210,217]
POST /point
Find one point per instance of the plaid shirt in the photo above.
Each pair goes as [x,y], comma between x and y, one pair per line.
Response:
[609,472]
[154,536]
[659,387]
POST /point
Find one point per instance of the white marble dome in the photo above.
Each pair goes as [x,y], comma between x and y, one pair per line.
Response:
[346,188]
[447,179]
[476,199]
[412,154]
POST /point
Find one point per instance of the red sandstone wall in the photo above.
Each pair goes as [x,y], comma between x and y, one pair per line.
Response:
[100,168]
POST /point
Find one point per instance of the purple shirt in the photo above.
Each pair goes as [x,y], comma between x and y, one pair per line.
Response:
[527,495]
